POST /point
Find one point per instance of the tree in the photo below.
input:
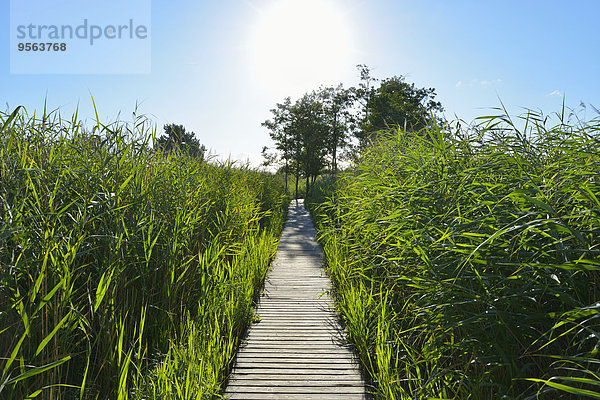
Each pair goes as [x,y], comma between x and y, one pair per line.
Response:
[364,92]
[275,159]
[176,139]
[281,132]
[300,132]
[398,103]
[308,132]
[337,103]
[313,135]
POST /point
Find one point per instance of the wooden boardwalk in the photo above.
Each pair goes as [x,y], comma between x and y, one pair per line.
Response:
[294,351]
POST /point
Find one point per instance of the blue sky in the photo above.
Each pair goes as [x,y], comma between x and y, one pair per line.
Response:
[205,74]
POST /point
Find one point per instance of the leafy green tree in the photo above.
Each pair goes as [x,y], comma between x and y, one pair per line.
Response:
[309,132]
[300,133]
[337,103]
[313,135]
[176,139]
[282,133]
[398,103]
[364,92]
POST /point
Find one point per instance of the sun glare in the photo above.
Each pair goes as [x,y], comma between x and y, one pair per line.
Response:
[300,44]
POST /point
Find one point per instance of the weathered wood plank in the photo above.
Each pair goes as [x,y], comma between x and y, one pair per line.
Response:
[295,396]
[299,366]
[290,329]
[294,361]
[304,352]
[295,382]
[287,347]
[295,377]
[296,354]
[299,389]
[307,329]
[296,371]
[300,315]
[288,336]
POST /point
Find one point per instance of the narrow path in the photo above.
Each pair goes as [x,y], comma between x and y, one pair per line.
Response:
[294,351]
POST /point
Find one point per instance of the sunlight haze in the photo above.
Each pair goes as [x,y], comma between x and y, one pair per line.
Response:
[298,44]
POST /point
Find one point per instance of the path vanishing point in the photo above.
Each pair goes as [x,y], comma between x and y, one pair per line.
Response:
[295,351]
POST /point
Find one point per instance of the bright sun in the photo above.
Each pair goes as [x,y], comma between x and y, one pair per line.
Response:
[300,44]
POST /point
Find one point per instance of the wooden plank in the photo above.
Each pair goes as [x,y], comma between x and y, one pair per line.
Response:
[295,322]
[288,336]
[276,313]
[298,365]
[296,371]
[296,354]
[296,361]
[273,331]
[323,326]
[299,316]
[299,302]
[252,377]
[291,310]
[300,321]
[257,338]
[299,389]
[299,356]
[292,342]
[291,328]
[306,329]
[294,336]
[287,345]
[288,348]
[291,307]
[294,396]
[304,352]
[296,382]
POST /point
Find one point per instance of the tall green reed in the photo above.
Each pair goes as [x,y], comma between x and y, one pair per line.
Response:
[113,256]
[465,261]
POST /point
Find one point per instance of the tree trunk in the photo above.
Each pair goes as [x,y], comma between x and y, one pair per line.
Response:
[286,176]
[335,140]
[297,169]
[307,184]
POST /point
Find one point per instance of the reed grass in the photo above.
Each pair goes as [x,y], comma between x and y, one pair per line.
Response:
[125,272]
[465,260]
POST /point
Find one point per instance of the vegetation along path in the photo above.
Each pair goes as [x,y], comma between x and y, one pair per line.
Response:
[294,350]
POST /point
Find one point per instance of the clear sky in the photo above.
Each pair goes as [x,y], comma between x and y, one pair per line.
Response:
[217,67]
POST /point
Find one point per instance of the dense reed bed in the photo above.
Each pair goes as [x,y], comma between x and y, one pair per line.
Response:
[125,272]
[465,261]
